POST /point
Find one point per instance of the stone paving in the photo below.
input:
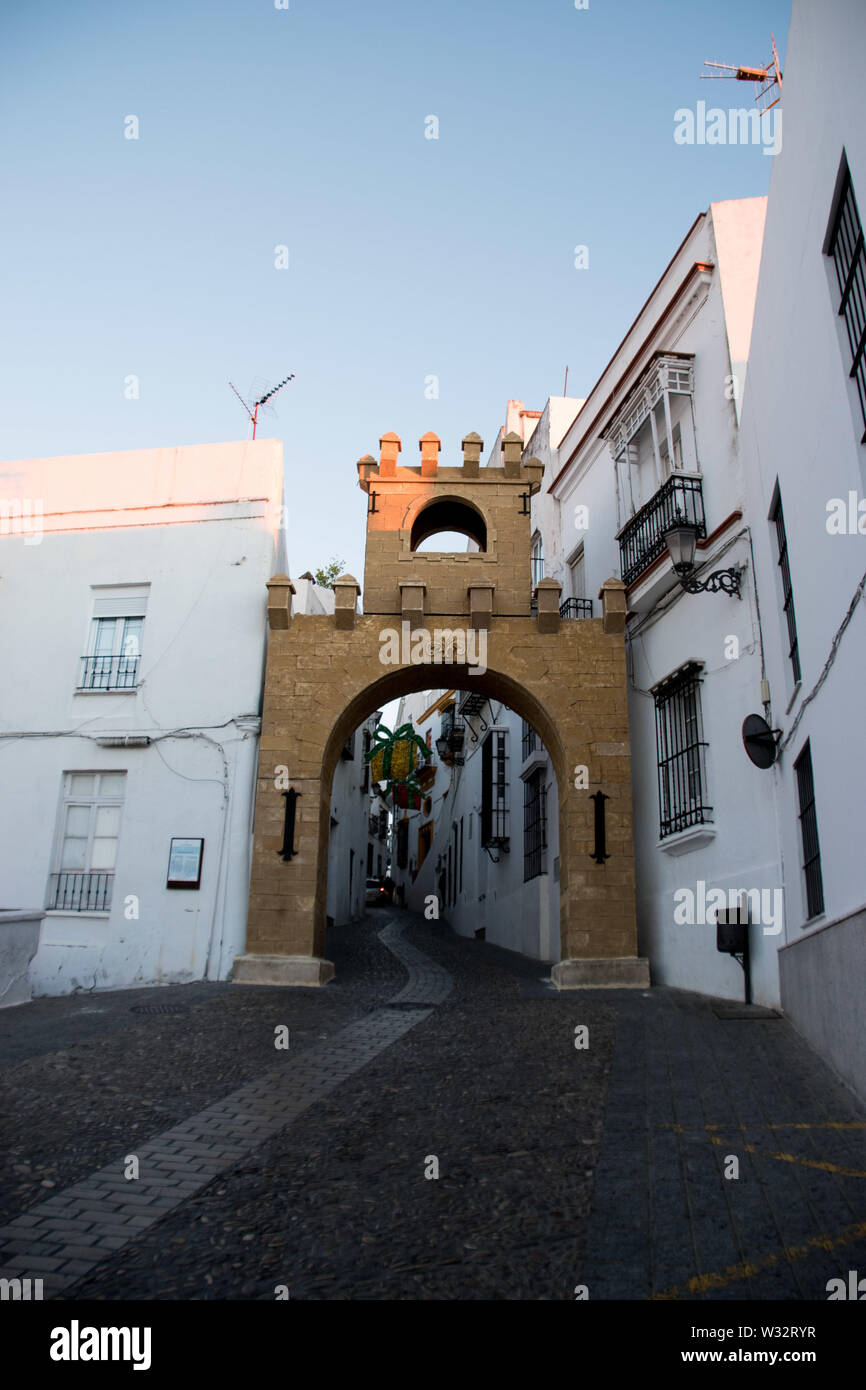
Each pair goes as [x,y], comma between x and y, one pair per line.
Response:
[305,1169]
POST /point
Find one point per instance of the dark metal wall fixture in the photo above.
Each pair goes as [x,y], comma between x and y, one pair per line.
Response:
[600,853]
[371,506]
[288,848]
[524,510]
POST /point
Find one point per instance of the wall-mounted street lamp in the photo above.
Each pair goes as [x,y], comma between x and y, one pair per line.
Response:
[681,538]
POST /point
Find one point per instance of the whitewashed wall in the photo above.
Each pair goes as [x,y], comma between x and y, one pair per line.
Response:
[201,526]
[802,426]
[711,319]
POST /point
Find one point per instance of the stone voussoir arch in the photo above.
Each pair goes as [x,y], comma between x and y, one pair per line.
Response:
[327,672]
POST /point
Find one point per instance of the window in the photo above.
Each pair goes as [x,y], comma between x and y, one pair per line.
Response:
[534,825]
[348,749]
[845,245]
[664,454]
[425,842]
[461,854]
[494,790]
[456,848]
[86,850]
[114,644]
[809,834]
[778,521]
[369,861]
[365,780]
[402,844]
[529,740]
[680,748]
[577,576]
[537,560]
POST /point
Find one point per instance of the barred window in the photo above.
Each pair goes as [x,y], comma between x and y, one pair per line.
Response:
[845,245]
[402,844]
[537,559]
[809,833]
[534,825]
[778,520]
[680,747]
[494,789]
[529,740]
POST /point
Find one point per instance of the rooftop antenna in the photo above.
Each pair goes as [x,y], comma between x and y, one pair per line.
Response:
[262,398]
[767,79]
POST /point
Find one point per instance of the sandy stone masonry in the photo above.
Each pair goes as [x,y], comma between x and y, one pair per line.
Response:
[324,676]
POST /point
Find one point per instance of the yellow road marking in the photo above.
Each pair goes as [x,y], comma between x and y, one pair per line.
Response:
[794,1158]
[703,1283]
[823,1124]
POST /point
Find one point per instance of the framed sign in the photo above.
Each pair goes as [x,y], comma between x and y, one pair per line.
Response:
[184,863]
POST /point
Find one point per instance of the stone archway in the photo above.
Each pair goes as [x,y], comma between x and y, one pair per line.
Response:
[325,675]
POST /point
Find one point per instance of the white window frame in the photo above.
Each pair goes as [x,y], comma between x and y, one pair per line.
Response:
[121,605]
[96,800]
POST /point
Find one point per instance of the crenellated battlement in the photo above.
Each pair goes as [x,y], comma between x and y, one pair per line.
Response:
[490,506]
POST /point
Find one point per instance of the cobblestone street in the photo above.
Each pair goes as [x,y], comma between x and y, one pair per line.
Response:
[305,1168]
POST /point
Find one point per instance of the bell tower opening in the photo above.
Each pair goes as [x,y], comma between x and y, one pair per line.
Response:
[449,514]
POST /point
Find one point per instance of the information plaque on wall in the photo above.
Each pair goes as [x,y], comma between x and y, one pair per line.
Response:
[184,863]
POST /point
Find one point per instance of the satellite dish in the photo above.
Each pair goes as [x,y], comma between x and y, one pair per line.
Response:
[759,740]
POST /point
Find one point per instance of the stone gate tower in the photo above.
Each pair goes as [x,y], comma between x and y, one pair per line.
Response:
[325,674]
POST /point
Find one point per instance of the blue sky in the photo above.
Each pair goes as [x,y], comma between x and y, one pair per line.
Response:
[408,257]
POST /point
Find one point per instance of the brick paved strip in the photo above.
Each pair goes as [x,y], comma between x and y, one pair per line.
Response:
[428,983]
[65,1237]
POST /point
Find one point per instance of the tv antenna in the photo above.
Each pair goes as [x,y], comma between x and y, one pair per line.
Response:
[767,79]
[261,399]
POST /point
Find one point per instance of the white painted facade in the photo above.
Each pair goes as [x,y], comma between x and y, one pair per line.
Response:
[802,433]
[691,336]
[134,611]
[483,892]
[631,444]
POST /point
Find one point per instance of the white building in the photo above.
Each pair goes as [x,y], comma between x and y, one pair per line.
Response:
[804,454]
[132,635]
[657,435]
[485,840]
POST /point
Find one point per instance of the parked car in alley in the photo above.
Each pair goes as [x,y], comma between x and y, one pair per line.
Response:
[376,892]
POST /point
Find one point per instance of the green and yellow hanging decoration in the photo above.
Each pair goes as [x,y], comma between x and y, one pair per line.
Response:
[394,756]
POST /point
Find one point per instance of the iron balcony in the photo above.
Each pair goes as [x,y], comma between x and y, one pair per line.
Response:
[642,539]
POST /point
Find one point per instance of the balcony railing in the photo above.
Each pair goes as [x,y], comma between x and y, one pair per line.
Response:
[576,608]
[75,891]
[642,540]
[108,672]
